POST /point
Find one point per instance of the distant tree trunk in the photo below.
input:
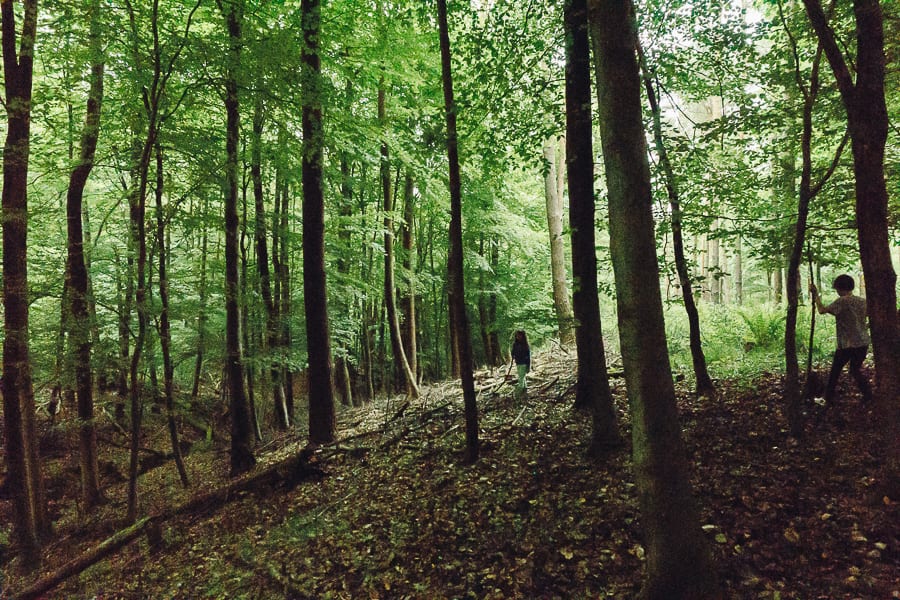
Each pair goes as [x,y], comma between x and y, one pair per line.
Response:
[704,385]
[778,282]
[202,317]
[459,321]
[242,459]
[408,295]
[25,479]
[284,275]
[342,372]
[554,201]
[738,271]
[262,266]
[412,389]
[679,564]
[250,338]
[165,336]
[592,385]
[79,317]
[867,119]
[321,397]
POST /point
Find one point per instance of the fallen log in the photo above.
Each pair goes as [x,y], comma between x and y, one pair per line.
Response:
[77,565]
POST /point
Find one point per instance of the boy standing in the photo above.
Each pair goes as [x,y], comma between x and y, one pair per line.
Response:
[852,336]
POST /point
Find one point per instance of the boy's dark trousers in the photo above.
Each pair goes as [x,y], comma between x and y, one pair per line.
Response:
[855,356]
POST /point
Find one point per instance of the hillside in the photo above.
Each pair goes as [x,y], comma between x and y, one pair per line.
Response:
[390,513]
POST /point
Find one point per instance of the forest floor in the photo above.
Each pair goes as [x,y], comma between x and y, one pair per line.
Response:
[393,514]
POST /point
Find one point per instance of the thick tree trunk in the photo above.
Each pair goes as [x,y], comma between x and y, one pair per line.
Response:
[867,119]
[242,459]
[321,396]
[21,444]
[553,198]
[165,336]
[459,322]
[592,386]
[79,316]
[679,564]
[704,385]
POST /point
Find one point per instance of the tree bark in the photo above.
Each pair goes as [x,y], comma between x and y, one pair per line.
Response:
[704,384]
[459,321]
[321,396]
[412,390]
[867,119]
[242,459]
[79,316]
[262,267]
[592,386]
[554,202]
[165,336]
[408,295]
[23,461]
[679,564]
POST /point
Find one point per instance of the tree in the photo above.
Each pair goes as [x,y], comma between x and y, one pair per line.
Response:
[76,269]
[554,159]
[459,323]
[592,386]
[679,565]
[22,456]
[242,459]
[704,384]
[867,120]
[315,299]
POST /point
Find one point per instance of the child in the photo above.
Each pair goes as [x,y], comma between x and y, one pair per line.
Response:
[852,337]
[521,354]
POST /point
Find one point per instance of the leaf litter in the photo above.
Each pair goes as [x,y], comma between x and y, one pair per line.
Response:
[397,516]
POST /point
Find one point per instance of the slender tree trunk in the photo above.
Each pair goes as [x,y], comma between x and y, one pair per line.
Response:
[262,265]
[249,332]
[79,317]
[21,444]
[704,386]
[342,372]
[592,386]
[201,315]
[284,274]
[408,296]
[321,397]
[679,564]
[553,198]
[242,459]
[165,336]
[390,289]
[459,321]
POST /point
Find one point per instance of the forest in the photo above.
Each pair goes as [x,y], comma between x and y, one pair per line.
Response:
[264,263]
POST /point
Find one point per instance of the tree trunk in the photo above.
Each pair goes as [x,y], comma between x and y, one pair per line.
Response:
[321,397]
[165,337]
[592,386]
[704,384]
[459,322]
[553,197]
[262,266]
[412,390]
[79,317]
[21,444]
[679,564]
[408,295]
[201,315]
[242,459]
[867,119]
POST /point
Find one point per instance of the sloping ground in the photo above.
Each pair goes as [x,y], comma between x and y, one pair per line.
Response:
[395,516]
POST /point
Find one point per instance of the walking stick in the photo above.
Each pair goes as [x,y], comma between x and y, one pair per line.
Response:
[812,383]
